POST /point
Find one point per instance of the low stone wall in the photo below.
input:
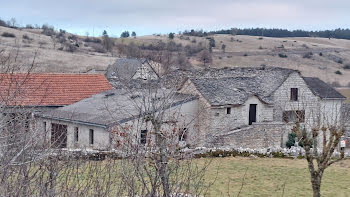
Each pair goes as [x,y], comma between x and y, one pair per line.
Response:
[259,135]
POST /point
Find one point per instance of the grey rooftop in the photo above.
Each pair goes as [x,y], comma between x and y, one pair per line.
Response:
[116,106]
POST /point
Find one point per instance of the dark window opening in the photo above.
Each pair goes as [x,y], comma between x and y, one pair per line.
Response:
[228,110]
[143,137]
[58,135]
[44,125]
[252,113]
[294,94]
[294,116]
[76,134]
[91,136]
[183,134]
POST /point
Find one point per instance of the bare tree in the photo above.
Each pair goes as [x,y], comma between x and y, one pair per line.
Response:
[154,142]
[205,57]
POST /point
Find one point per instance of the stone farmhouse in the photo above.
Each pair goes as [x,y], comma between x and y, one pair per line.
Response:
[257,107]
[106,120]
[237,107]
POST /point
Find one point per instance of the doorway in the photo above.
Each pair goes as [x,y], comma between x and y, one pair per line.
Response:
[252,113]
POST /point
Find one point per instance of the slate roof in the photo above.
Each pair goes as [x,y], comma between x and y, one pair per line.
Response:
[111,107]
[125,68]
[322,89]
[233,86]
[37,89]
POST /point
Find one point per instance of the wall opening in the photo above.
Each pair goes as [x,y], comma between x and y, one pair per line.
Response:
[58,135]
[252,113]
[91,136]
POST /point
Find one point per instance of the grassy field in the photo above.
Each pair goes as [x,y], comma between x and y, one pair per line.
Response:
[270,176]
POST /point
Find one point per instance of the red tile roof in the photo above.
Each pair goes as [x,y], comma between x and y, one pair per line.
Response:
[49,89]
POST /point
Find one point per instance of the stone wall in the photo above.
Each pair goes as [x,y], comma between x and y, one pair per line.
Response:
[259,135]
[306,99]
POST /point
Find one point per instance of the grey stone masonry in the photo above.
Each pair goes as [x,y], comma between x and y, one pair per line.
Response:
[259,135]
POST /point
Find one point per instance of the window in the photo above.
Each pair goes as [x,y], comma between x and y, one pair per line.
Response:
[91,136]
[76,134]
[294,94]
[44,125]
[183,134]
[143,137]
[294,116]
[228,110]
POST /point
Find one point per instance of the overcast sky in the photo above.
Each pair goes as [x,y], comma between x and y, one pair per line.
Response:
[163,16]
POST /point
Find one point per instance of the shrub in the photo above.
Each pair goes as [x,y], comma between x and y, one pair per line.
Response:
[291,139]
[171,35]
[260,38]
[26,37]
[282,55]
[98,48]
[245,55]
[93,40]
[260,47]
[305,46]
[308,55]
[321,54]
[340,61]
[71,48]
[3,23]
[8,35]
[212,42]
[347,66]
[48,30]
[29,26]
[338,72]
[125,34]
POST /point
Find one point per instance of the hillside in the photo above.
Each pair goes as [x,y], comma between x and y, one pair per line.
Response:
[316,57]
[50,56]
[328,55]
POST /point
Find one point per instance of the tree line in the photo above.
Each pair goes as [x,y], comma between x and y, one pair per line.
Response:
[275,32]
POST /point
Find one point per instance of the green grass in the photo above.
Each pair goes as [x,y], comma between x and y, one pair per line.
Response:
[267,177]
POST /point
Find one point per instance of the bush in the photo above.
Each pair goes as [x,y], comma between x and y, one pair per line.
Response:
[340,61]
[245,55]
[125,34]
[93,40]
[3,23]
[321,54]
[338,72]
[171,35]
[29,26]
[291,140]
[48,30]
[71,48]
[212,42]
[347,66]
[305,46]
[308,55]
[98,48]
[282,55]
[26,37]
[8,35]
